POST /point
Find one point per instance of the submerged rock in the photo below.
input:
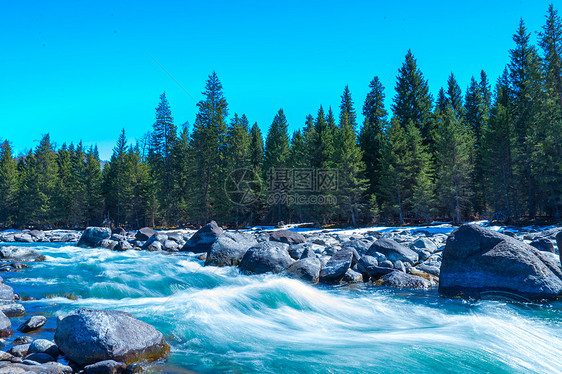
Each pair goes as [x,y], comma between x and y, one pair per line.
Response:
[203,239]
[266,257]
[48,368]
[92,236]
[477,261]
[229,249]
[88,336]
[43,346]
[106,367]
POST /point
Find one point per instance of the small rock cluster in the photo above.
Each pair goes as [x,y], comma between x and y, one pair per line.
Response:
[34,236]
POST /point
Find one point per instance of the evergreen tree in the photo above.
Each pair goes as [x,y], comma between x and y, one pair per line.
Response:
[526,90]
[8,185]
[351,186]
[182,156]
[208,147]
[276,162]
[413,100]
[93,188]
[116,187]
[372,138]
[163,141]
[256,162]
[454,96]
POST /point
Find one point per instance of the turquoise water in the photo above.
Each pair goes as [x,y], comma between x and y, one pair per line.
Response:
[220,321]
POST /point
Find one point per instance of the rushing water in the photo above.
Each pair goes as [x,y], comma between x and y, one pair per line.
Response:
[220,321]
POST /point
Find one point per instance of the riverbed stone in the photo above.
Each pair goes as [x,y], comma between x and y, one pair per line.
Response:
[400,279]
[335,269]
[5,325]
[92,236]
[41,358]
[33,323]
[88,336]
[48,368]
[106,367]
[393,251]
[43,346]
[20,254]
[477,261]
[229,249]
[307,269]
[122,245]
[543,244]
[6,294]
[144,233]
[12,309]
[266,257]
[287,236]
[19,350]
[203,239]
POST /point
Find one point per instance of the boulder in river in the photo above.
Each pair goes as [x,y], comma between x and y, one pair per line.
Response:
[144,233]
[88,336]
[20,254]
[6,294]
[92,236]
[33,323]
[106,367]
[229,249]
[48,368]
[335,269]
[266,257]
[393,251]
[287,236]
[478,261]
[203,239]
[400,279]
[307,269]
[543,244]
[43,346]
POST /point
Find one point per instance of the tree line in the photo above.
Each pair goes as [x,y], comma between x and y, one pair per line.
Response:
[488,150]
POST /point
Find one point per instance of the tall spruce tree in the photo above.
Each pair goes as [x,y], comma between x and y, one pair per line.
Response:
[93,187]
[276,162]
[208,147]
[163,141]
[413,101]
[372,138]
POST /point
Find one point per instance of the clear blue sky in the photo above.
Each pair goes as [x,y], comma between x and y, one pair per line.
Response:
[82,70]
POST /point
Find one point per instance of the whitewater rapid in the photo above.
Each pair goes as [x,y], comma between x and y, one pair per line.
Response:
[220,321]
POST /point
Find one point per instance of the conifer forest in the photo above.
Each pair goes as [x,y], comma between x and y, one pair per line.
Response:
[492,149]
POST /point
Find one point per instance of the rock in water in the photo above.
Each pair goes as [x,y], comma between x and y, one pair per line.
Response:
[266,257]
[287,236]
[203,239]
[5,325]
[20,254]
[229,249]
[43,346]
[543,244]
[144,233]
[92,236]
[6,293]
[393,251]
[477,261]
[88,336]
[32,323]
[559,244]
[106,367]
[403,280]
[307,268]
[337,266]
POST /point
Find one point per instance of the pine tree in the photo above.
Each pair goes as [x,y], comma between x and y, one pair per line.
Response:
[351,186]
[453,163]
[372,138]
[208,147]
[256,162]
[8,185]
[182,156]
[276,163]
[116,187]
[525,89]
[163,141]
[413,100]
[93,188]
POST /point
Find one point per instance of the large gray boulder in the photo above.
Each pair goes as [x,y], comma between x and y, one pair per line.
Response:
[106,367]
[336,267]
[287,236]
[478,261]
[20,254]
[393,251]
[48,368]
[229,249]
[369,267]
[43,346]
[88,336]
[6,294]
[203,239]
[92,236]
[266,257]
